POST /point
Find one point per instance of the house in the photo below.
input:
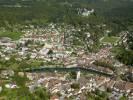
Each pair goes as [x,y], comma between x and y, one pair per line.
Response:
[33,55]
[0,89]
[129,87]
[11,86]
[110,84]
[54,97]
[6,73]
[44,51]
[32,88]
[88,12]
[31,76]
[85,12]
[5,39]
[120,86]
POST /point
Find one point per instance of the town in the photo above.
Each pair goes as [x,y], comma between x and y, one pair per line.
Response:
[50,48]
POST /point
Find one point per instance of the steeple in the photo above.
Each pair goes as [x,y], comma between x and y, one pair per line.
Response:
[78,75]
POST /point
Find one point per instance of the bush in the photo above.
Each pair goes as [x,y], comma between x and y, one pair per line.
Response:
[104,64]
[75,86]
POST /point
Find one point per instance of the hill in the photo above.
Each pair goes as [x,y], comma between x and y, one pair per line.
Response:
[117,13]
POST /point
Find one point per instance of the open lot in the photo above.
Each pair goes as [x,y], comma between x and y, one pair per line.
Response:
[12,35]
[111,39]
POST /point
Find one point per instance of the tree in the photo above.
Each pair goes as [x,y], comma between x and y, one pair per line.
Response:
[41,94]
[124,56]
[73,75]
[123,98]
[50,53]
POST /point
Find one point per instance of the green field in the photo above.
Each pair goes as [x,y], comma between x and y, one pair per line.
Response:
[12,35]
[111,39]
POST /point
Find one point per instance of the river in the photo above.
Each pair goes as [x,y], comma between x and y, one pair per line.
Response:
[63,69]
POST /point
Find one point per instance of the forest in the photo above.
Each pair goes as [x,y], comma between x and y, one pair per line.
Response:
[117,14]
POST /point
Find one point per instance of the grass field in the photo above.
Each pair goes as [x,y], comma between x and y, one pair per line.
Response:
[108,39]
[12,35]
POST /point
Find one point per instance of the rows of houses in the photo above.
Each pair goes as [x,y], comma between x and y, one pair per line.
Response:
[58,84]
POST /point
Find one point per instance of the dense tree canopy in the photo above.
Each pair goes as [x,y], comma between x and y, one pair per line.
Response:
[44,11]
